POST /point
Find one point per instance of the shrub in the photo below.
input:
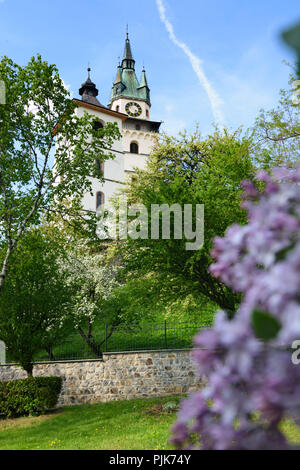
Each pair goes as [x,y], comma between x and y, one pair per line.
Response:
[31,396]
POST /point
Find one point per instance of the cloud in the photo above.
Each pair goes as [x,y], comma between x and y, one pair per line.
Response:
[67,87]
[215,100]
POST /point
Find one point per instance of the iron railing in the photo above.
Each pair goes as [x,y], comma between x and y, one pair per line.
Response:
[149,336]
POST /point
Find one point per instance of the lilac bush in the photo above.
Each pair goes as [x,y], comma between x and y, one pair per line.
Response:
[252,383]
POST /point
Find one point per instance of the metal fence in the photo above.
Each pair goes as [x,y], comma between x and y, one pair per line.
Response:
[150,336]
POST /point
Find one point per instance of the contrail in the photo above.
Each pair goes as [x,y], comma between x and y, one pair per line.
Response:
[215,100]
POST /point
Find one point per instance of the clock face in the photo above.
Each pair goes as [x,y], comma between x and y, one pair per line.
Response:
[133,109]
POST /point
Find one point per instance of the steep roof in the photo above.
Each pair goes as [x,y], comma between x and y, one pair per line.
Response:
[126,83]
[89,92]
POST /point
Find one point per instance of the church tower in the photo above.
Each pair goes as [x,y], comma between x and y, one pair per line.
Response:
[129,108]
[131,97]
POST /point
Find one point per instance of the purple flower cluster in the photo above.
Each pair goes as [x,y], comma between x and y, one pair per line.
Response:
[251,384]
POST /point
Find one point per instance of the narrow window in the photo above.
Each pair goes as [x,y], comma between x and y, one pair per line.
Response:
[97,125]
[117,108]
[99,167]
[147,113]
[99,199]
[134,148]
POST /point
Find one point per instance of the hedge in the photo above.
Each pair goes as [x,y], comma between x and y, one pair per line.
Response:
[31,396]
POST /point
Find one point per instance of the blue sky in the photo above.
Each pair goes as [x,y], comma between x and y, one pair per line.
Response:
[237,42]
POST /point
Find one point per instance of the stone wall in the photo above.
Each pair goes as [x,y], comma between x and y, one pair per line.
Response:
[119,376]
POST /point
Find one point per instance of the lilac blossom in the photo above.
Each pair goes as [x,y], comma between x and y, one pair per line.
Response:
[251,384]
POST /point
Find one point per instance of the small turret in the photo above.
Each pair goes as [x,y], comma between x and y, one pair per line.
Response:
[89,92]
[143,88]
[119,75]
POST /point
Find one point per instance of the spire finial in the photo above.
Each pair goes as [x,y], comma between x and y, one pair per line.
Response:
[89,71]
[128,61]
[127,31]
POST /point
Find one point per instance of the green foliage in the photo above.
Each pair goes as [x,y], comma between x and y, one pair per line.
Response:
[292,38]
[157,297]
[276,134]
[35,299]
[170,407]
[191,170]
[47,152]
[265,326]
[31,396]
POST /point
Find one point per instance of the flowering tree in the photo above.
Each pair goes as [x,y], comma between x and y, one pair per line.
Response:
[93,279]
[252,383]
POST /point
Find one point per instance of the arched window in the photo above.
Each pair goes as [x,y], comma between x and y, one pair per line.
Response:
[97,125]
[117,108]
[147,113]
[134,148]
[99,199]
[99,167]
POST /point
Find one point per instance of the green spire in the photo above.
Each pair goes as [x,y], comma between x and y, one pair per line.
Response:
[144,90]
[128,61]
[119,74]
[127,50]
[143,81]
[126,83]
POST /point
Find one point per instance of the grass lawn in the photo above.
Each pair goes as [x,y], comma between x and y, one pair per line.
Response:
[121,425]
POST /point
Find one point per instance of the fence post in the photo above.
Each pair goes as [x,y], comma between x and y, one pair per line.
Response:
[2,353]
[166,346]
[105,337]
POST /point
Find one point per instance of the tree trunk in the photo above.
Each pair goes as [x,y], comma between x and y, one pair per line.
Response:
[5,267]
[50,353]
[89,341]
[28,367]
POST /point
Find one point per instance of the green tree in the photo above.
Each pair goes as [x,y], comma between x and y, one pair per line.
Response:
[35,299]
[47,152]
[276,133]
[191,170]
